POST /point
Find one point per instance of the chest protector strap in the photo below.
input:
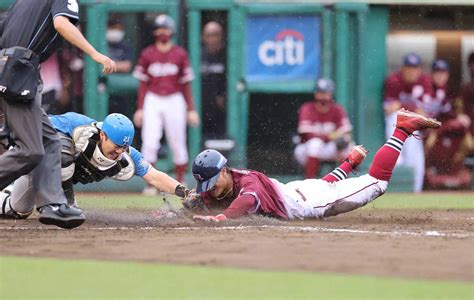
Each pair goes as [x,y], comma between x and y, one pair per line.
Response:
[86,172]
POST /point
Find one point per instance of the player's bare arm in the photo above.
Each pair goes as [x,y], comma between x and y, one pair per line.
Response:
[192,115]
[161,181]
[72,34]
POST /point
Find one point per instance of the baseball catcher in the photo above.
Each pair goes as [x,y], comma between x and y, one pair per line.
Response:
[241,192]
[91,151]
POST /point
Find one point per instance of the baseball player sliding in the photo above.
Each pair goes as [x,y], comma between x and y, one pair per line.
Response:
[164,97]
[242,192]
[91,151]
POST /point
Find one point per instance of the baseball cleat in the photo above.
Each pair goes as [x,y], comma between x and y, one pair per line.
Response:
[61,215]
[357,156]
[409,121]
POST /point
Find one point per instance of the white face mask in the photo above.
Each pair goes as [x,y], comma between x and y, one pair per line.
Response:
[114,35]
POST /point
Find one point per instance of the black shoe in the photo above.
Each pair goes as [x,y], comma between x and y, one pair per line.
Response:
[61,215]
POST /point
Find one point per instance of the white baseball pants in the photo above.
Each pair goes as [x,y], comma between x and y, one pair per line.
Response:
[316,198]
[166,113]
[317,148]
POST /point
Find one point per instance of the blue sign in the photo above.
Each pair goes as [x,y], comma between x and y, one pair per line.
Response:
[282,48]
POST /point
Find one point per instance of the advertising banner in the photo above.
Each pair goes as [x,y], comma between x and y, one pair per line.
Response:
[282,48]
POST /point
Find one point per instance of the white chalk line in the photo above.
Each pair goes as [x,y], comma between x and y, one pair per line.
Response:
[428,233]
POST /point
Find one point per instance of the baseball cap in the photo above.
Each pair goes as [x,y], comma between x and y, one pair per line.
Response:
[412,60]
[324,85]
[440,65]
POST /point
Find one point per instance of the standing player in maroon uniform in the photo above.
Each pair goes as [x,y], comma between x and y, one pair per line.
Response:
[164,97]
[242,192]
[409,89]
[324,129]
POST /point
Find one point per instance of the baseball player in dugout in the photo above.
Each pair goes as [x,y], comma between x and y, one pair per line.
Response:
[446,148]
[410,89]
[165,100]
[324,130]
[242,192]
[30,32]
[91,151]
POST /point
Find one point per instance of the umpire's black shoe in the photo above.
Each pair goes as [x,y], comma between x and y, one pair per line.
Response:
[61,215]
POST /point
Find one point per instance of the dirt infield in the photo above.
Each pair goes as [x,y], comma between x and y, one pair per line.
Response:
[411,243]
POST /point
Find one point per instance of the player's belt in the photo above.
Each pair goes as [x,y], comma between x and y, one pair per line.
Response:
[18,52]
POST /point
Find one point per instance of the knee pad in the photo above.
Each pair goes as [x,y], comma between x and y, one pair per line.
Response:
[68,156]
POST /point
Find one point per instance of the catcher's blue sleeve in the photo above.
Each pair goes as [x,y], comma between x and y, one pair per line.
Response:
[141,165]
[66,123]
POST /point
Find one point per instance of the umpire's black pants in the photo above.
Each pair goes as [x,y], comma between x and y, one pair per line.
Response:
[37,150]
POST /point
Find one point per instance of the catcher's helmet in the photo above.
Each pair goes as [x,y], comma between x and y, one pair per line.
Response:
[325,85]
[118,128]
[164,21]
[440,65]
[206,169]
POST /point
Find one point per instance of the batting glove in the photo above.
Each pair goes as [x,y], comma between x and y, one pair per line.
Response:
[215,219]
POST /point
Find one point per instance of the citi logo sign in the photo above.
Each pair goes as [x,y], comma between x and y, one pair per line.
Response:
[287,48]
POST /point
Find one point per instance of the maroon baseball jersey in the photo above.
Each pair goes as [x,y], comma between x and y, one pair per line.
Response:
[248,183]
[467,96]
[439,105]
[313,123]
[164,73]
[409,94]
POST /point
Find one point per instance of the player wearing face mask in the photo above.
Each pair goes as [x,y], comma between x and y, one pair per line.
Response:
[164,97]
[118,48]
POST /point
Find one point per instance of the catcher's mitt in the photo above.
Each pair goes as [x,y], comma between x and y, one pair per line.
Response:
[193,201]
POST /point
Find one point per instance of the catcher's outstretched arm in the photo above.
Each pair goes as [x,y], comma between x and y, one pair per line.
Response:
[161,181]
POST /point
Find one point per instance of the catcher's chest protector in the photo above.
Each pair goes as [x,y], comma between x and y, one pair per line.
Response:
[86,171]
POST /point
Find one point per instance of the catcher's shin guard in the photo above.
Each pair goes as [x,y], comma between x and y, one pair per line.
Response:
[7,212]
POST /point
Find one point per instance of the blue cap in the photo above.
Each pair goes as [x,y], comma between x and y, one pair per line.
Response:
[206,169]
[412,60]
[324,85]
[118,128]
[440,65]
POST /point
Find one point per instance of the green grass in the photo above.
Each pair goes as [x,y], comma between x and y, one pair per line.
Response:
[123,201]
[387,201]
[424,201]
[34,278]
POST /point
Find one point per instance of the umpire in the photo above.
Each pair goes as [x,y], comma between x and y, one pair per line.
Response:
[30,32]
